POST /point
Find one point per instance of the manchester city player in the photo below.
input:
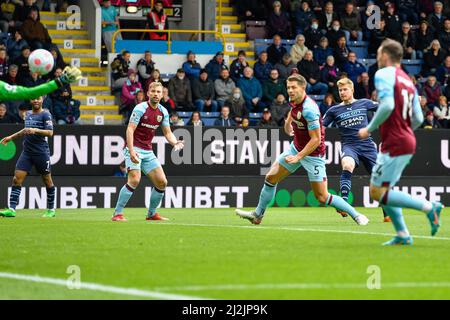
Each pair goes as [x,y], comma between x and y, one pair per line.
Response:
[304,123]
[146,118]
[350,116]
[36,152]
[398,114]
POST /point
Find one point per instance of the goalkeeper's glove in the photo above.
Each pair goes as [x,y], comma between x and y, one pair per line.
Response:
[70,75]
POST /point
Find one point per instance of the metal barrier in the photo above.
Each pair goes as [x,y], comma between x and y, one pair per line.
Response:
[169,32]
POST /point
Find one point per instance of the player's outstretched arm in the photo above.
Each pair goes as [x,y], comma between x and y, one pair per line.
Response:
[18,134]
[170,137]
[387,105]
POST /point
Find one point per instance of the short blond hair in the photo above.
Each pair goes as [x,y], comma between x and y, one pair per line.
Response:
[155,85]
[346,82]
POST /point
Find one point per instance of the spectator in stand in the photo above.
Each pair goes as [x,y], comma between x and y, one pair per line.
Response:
[447,89]
[278,22]
[129,91]
[327,103]
[433,58]
[33,80]
[4,63]
[424,105]
[5,116]
[203,93]
[272,87]
[327,16]
[377,36]
[285,67]
[330,74]
[351,23]
[303,17]
[180,91]
[157,20]
[22,11]
[430,121]
[443,72]
[251,10]
[195,120]
[225,120]
[238,65]
[323,51]
[22,63]
[408,41]
[35,33]
[15,46]
[166,101]
[175,120]
[58,63]
[424,38]
[393,23]
[119,68]
[415,82]
[432,90]
[285,5]
[223,87]
[279,109]
[299,49]
[236,104]
[310,70]
[341,52]
[335,33]
[145,67]
[444,36]
[191,67]
[408,10]
[4,22]
[251,90]
[110,24]
[353,68]
[215,65]
[266,120]
[313,35]
[154,77]
[11,77]
[442,113]
[362,89]
[426,8]
[262,67]
[245,123]
[65,109]
[276,51]
[437,18]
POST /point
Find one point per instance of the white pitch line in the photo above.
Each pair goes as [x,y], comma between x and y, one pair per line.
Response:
[99,287]
[303,286]
[297,229]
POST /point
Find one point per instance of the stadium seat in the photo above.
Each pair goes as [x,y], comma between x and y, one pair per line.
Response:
[214,115]
[360,48]
[255,29]
[184,114]
[255,115]
[208,121]
[412,66]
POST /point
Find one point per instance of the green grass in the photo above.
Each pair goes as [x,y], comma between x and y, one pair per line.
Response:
[210,249]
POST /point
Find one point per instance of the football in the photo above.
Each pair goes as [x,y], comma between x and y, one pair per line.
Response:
[41,61]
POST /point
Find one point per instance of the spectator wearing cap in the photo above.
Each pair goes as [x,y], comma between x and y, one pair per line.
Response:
[145,67]
[310,70]
[15,45]
[278,22]
[203,93]
[251,90]
[444,36]
[266,119]
[5,116]
[223,87]
[272,87]
[225,119]
[351,23]
[299,49]
[408,10]
[442,73]
[322,52]
[424,37]
[215,65]
[433,58]
[393,22]
[236,103]
[285,67]
[313,35]
[279,108]
[110,24]
[191,67]
[430,121]
[238,65]
[437,18]
[327,16]
[129,90]
[262,67]
[303,16]
[353,68]
[276,51]
[180,91]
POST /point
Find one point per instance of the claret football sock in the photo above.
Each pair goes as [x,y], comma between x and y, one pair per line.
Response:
[346,184]
[266,196]
[51,198]
[14,197]
[397,220]
[155,200]
[125,194]
[340,204]
[400,199]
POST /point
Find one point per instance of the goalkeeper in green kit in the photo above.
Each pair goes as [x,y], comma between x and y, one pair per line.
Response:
[10,93]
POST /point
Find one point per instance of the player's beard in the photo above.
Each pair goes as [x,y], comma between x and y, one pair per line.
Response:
[155,101]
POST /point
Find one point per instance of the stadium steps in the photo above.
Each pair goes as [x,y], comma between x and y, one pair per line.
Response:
[83,48]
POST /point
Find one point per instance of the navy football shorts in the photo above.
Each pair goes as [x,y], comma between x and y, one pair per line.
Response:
[40,161]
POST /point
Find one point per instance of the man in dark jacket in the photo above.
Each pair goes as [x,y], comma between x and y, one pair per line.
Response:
[327,16]
[119,68]
[191,67]
[225,120]
[214,66]
[180,91]
[285,67]
[444,37]
[408,10]
[145,67]
[276,51]
[335,33]
[408,41]
[35,33]
[437,18]
[203,93]
[272,87]
[310,70]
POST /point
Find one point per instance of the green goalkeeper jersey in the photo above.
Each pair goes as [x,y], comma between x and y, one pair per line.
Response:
[10,93]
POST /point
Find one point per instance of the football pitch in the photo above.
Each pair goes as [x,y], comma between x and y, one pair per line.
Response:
[296,253]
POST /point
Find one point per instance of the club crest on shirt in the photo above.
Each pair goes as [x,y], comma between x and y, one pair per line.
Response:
[159,118]
[299,115]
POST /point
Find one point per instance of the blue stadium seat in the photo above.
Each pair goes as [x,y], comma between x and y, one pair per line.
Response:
[209,121]
[214,115]
[255,115]
[183,114]
[317,98]
[167,76]
[367,62]
[412,66]
[360,48]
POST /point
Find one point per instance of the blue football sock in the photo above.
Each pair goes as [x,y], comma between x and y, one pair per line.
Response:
[340,204]
[266,196]
[125,194]
[14,197]
[155,200]
[398,220]
[51,198]
[346,184]
[400,199]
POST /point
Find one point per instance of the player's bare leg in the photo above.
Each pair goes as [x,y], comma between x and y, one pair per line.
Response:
[18,179]
[51,191]
[348,166]
[321,193]
[159,180]
[276,174]
[134,177]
